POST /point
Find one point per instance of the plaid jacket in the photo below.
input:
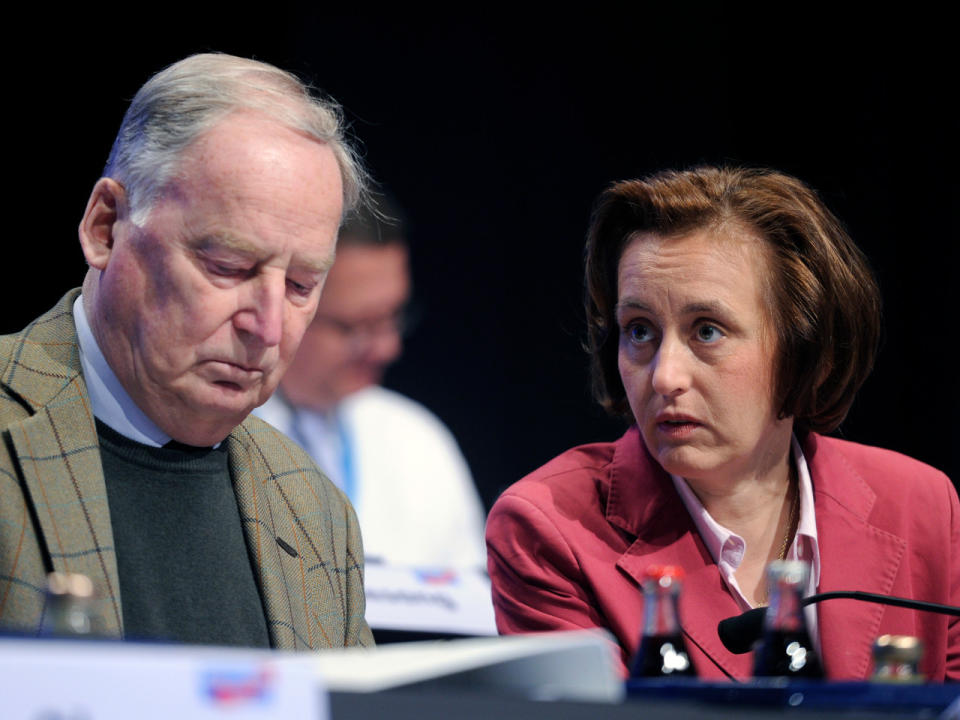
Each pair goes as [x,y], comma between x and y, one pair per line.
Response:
[301,532]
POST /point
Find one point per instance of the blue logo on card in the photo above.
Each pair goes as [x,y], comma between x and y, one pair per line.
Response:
[238,685]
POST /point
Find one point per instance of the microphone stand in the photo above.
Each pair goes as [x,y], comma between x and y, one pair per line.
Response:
[739,633]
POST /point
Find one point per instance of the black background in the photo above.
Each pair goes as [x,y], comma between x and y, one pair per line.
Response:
[495,132]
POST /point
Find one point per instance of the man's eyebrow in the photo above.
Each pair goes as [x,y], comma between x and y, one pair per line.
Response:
[321,266]
[240,246]
[231,243]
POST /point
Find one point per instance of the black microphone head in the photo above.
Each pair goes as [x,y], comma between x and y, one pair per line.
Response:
[739,633]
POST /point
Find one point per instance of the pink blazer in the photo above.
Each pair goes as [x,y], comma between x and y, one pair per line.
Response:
[569,543]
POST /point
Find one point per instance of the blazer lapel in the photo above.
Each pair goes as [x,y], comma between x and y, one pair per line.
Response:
[267,521]
[858,556]
[57,451]
[644,502]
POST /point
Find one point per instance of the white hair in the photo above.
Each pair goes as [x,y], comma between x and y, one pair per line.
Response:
[185,100]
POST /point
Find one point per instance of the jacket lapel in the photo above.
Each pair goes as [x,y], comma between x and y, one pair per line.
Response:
[267,520]
[644,502]
[859,556]
[57,451]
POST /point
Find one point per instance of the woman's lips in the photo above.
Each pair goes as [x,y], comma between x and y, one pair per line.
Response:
[677,428]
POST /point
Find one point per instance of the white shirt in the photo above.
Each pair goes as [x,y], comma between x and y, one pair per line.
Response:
[727,548]
[409,483]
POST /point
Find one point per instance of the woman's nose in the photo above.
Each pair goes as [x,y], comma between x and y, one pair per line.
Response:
[671,368]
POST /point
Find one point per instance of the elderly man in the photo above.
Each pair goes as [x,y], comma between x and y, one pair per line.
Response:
[397,461]
[127,452]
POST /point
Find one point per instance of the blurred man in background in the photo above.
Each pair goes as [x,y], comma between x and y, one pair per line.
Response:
[397,462]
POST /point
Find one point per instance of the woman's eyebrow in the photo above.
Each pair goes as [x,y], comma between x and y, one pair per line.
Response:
[631,304]
[708,307]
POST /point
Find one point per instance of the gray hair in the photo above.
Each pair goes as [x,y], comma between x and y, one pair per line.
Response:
[376,222]
[185,100]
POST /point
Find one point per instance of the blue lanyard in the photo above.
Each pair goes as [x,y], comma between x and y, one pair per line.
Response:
[347,467]
[348,474]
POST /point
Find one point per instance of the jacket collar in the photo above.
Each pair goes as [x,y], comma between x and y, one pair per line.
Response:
[45,358]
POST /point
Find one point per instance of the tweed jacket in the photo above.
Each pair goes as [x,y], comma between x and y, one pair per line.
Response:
[301,532]
[569,544]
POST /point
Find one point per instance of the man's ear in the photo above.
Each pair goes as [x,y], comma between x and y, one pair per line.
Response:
[106,206]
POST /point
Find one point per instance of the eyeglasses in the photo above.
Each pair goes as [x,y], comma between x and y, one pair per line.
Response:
[359,333]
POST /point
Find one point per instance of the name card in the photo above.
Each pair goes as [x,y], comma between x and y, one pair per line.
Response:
[429,600]
[81,680]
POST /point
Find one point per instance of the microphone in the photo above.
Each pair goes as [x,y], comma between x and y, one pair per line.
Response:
[739,633]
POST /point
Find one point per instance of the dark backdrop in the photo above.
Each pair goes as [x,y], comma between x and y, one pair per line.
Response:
[497,132]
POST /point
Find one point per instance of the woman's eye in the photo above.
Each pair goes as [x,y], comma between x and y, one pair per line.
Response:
[639,333]
[708,333]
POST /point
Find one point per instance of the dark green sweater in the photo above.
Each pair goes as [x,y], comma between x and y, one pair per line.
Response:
[185,575]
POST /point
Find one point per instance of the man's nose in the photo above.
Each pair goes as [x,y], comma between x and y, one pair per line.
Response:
[261,315]
[386,345]
[671,368]
[378,343]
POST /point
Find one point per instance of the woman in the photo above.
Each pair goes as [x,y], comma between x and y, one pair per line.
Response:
[731,320]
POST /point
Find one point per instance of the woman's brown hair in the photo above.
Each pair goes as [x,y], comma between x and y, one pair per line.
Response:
[826,304]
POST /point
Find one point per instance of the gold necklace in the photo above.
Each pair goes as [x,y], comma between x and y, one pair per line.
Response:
[792,520]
